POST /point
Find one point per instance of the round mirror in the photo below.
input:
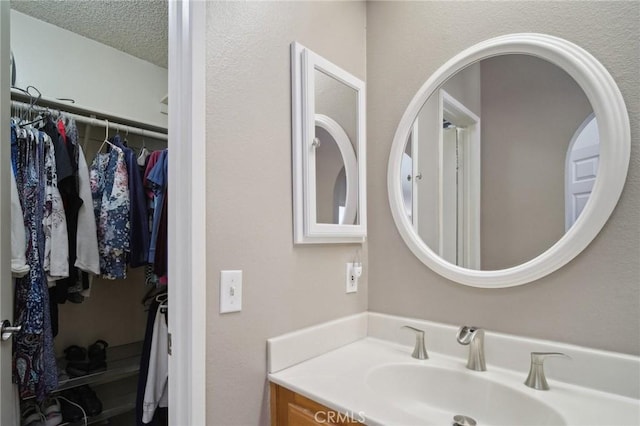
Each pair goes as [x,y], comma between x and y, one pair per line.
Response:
[509,160]
[336,173]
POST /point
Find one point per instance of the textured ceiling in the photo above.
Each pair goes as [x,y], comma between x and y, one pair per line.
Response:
[137,27]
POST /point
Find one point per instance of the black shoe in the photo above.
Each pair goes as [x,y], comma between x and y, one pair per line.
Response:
[70,406]
[89,400]
[75,353]
[98,351]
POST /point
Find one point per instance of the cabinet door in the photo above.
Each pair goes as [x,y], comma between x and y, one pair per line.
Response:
[300,416]
[291,409]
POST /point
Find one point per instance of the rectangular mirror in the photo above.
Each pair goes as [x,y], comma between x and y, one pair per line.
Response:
[329,154]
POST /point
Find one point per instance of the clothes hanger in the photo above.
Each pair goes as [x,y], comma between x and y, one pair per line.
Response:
[106,137]
[144,154]
[163,299]
[34,98]
[152,293]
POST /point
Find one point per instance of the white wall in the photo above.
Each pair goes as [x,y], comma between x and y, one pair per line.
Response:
[62,64]
[595,299]
[530,111]
[249,211]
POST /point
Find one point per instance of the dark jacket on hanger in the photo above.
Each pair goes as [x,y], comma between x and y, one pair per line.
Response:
[139,225]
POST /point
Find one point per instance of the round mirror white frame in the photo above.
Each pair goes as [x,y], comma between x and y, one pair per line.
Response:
[613,122]
[350,164]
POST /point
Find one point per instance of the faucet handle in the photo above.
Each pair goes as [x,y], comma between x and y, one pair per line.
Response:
[419,351]
[536,378]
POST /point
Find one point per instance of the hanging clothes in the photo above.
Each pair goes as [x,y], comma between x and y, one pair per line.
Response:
[34,363]
[152,396]
[19,266]
[87,255]
[67,165]
[157,179]
[156,389]
[111,203]
[56,249]
[139,230]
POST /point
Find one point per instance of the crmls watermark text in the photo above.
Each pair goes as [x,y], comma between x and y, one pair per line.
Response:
[333,417]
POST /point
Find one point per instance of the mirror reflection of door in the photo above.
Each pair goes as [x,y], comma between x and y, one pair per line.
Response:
[508,205]
[411,177]
[581,168]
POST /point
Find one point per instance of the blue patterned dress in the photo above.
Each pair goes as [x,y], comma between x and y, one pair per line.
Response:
[111,203]
[34,363]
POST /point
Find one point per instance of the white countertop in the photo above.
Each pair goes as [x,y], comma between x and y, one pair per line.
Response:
[331,363]
[338,379]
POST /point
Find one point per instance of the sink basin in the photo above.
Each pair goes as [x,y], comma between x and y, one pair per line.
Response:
[438,394]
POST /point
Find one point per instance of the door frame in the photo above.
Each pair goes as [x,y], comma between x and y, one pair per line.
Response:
[187,212]
[9,412]
[469,145]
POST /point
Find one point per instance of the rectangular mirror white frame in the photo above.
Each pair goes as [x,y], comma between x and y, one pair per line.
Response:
[305,119]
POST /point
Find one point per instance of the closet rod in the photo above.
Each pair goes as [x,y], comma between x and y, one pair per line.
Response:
[96,122]
[73,108]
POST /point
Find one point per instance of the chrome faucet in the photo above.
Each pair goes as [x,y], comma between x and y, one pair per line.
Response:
[536,378]
[419,351]
[474,337]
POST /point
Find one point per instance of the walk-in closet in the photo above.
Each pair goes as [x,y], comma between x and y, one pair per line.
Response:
[89,153]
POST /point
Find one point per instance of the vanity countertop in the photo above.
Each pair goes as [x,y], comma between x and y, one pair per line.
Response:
[340,379]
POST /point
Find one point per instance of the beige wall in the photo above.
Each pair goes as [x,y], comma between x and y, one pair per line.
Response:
[530,111]
[592,301]
[249,211]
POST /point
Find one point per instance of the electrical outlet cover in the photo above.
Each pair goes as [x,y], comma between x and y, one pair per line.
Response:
[352,279]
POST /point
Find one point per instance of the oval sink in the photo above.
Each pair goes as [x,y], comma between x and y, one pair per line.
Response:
[438,394]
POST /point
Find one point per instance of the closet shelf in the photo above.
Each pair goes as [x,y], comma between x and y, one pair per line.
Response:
[122,361]
[110,408]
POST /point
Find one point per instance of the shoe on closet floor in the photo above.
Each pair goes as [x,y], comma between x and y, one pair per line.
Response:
[82,396]
[89,400]
[71,408]
[78,365]
[51,411]
[75,353]
[98,351]
[83,368]
[30,414]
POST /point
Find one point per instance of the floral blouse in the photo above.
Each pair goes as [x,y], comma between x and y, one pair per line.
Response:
[111,203]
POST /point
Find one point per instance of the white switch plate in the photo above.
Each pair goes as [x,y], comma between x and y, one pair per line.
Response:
[230,291]
[352,279]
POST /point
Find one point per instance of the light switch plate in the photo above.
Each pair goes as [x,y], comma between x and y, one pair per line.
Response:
[230,291]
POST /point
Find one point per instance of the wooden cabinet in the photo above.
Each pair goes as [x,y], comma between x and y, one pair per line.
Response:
[291,409]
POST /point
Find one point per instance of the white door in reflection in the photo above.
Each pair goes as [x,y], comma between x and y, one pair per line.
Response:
[581,169]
